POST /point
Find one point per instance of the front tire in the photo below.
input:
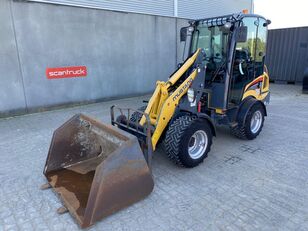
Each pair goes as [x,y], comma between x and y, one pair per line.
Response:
[252,126]
[188,141]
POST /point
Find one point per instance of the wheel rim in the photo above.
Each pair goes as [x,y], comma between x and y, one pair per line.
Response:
[197,144]
[256,122]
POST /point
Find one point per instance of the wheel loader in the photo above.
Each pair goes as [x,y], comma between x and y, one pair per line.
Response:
[98,169]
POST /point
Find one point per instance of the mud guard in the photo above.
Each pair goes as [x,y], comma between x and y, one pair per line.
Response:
[245,107]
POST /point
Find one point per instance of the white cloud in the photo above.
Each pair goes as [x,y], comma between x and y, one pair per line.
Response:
[283,13]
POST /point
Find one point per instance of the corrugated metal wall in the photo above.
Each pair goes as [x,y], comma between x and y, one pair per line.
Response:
[211,8]
[155,7]
[287,54]
[191,9]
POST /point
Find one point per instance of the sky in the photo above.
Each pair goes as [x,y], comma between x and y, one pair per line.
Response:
[283,13]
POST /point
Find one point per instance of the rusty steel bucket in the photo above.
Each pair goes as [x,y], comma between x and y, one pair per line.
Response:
[96,169]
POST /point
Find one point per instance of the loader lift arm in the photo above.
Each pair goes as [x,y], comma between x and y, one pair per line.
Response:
[164,101]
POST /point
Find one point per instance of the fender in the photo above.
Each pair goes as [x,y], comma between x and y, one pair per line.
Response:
[245,106]
[199,115]
[209,120]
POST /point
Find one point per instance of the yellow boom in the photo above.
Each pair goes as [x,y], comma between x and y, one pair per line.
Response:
[163,102]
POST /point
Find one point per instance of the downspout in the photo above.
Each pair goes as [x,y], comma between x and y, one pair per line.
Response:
[175,14]
[175,8]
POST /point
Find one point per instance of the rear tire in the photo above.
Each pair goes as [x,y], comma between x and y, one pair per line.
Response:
[136,116]
[253,125]
[188,141]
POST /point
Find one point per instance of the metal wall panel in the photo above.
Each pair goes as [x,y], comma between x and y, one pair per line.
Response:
[287,54]
[154,7]
[195,9]
[125,54]
[12,97]
[190,9]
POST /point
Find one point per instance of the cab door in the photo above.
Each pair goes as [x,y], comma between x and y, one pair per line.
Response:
[248,62]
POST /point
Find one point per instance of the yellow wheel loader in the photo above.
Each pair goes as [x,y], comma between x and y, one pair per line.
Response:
[98,169]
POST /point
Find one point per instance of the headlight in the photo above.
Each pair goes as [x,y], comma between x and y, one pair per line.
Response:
[191,29]
[191,95]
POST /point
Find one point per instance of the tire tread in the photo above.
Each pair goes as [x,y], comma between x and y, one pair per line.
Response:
[173,138]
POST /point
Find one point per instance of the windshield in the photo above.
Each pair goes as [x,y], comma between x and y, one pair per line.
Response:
[214,41]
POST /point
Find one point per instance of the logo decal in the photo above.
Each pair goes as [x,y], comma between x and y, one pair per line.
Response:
[66,72]
[178,94]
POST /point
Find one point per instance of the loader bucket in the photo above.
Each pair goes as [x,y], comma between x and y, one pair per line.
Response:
[96,169]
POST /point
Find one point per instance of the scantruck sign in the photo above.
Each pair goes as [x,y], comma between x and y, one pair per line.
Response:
[66,72]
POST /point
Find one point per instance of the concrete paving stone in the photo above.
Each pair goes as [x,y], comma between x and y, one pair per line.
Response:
[27,226]
[232,227]
[297,219]
[242,185]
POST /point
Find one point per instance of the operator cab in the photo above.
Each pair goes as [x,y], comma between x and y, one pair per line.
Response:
[234,52]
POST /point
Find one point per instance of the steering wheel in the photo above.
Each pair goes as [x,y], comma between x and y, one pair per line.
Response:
[219,58]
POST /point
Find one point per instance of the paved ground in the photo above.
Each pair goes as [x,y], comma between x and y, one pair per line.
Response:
[242,185]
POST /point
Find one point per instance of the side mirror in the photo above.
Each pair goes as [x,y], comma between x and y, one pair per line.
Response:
[268,22]
[241,35]
[183,34]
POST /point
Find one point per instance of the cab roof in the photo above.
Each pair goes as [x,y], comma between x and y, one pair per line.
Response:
[221,20]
